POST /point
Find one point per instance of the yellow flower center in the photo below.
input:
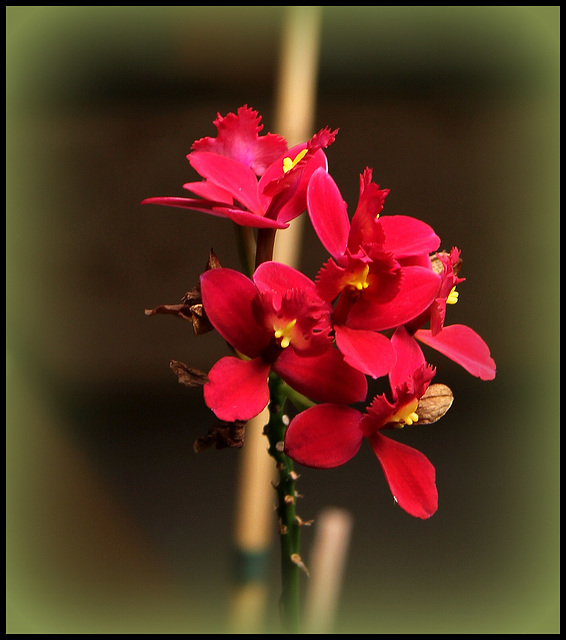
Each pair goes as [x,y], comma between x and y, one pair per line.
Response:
[358,280]
[406,415]
[452,296]
[288,164]
[284,334]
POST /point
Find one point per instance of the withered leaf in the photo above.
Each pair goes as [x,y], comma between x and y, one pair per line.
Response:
[193,296]
[221,436]
[434,403]
[182,310]
[201,323]
[187,375]
[190,307]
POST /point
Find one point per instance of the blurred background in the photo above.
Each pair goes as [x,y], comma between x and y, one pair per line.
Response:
[114,525]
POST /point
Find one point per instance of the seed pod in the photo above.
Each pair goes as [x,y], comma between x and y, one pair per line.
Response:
[434,403]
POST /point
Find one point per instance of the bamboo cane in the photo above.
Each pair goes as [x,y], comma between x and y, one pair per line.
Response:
[255,522]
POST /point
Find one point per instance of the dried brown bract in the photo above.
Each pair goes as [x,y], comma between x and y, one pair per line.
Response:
[187,375]
[222,436]
[190,307]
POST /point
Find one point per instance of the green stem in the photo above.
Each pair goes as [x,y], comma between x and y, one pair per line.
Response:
[246,244]
[288,522]
[300,401]
[265,244]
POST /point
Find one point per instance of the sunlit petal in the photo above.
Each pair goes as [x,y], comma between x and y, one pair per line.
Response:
[324,436]
[464,346]
[368,351]
[237,389]
[409,474]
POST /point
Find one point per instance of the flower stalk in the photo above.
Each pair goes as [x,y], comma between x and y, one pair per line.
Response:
[265,245]
[246,244]
[289,528]
[289,524]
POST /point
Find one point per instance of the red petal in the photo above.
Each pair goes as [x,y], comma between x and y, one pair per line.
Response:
[418,289]
[322,139]
[238,138]
[194,204]
[406,236]
[276,276]
[325,436]
[325,378]
[237,389]
[409,357]
[247,219]
[329,280]
[378,414]
[422,260]
[410,475]
[227,298]
[240,181]
[328,213]
[297,203]
[220,209]
[464,346]
[209,191]
[368,351]
[365,225]
[276,179]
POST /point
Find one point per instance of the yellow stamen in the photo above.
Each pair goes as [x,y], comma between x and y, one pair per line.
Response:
[288,164]
[452,296]
[359,280]
[284,334]
[413,417]
[406,415]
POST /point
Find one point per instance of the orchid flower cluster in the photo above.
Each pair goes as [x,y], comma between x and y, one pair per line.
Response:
[382,293]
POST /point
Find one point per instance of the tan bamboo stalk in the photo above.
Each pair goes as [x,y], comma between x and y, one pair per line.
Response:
[255,517]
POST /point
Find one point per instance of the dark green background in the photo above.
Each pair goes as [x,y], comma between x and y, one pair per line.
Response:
[113,524]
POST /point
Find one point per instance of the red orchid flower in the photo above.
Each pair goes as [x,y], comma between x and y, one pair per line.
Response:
[329,435]
[277,321]
[373,289]
[458,342]
[231,164]
[238,138]
[450,264]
